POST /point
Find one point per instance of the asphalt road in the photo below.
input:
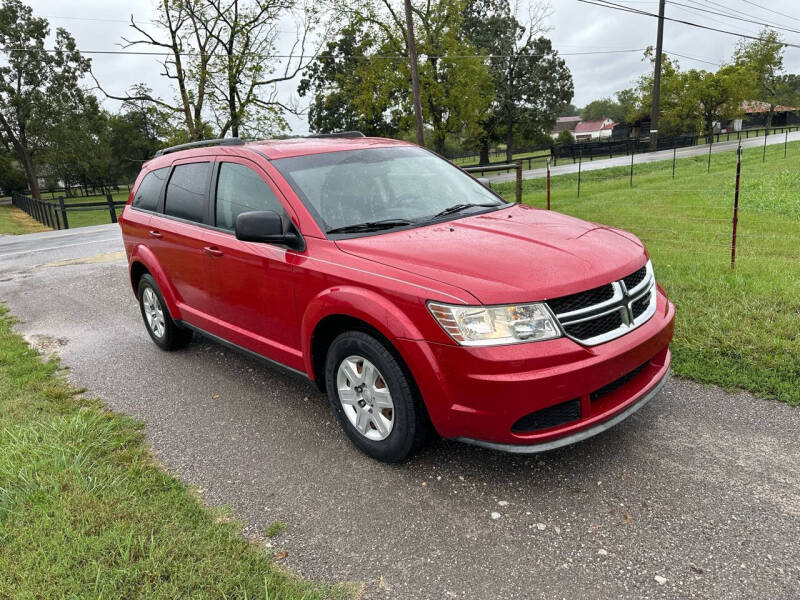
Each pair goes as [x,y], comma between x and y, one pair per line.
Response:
[695,496]
[567,166]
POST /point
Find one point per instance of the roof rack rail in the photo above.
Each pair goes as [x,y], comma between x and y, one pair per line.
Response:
[231,141]
[338,134]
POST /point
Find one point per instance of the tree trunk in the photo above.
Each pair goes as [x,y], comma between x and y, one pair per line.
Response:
[770,115]
[509,138]
[484,151]
[30,172]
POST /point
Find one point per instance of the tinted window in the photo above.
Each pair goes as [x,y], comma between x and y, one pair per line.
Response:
[240,189]
[186,192]
[356,186]
[150,189]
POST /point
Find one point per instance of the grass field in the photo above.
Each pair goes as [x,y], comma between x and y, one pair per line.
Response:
[14,221]
[85,512]
[93,217]
[735,328]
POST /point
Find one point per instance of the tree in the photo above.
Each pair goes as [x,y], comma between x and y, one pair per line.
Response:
[604,108]
[764,57]
[36,87]
[719,96]
[569,110]
[222,59]
[340,83]
[531,82]
[12,179]
[565,137]
[364,78]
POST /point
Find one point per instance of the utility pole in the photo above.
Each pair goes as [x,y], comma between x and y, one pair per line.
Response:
[412,59]
[657,79]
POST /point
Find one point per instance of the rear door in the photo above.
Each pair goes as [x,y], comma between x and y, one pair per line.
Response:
[253,282]
[181,241]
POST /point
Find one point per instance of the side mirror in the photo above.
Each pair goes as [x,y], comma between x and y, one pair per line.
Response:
[266,227]
[484,181]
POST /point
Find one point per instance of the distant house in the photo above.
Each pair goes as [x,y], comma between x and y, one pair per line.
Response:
[593,130]
[756,113]
[562,123]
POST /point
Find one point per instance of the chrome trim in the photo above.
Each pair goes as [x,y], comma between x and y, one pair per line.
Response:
[622,302]
[575,437]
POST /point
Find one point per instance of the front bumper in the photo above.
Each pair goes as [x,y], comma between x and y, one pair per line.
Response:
[480,395]
[579,436]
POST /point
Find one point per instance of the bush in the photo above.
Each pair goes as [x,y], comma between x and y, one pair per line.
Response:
[565,137]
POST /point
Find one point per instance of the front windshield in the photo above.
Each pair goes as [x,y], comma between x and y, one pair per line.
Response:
[401,183]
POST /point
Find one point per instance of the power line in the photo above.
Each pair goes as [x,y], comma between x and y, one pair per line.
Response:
[730,16]
[612,5]
[771,10]
[696,12]
[708,62]
[374,56]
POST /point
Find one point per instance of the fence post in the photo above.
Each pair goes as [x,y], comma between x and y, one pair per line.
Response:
[518,170]
[63,212]
[580,161]
[710,143]
[111,208]
[785,143]
[548,184]
[736,207]
[674,156]
[631,170]
[764,154]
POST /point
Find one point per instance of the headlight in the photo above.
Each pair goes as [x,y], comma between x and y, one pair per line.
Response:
[495,325]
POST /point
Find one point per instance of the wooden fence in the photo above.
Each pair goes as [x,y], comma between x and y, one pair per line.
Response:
[54,214]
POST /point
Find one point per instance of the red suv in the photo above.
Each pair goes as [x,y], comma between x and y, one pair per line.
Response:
[417,298]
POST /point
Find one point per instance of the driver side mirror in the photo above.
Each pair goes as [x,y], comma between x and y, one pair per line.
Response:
[266,227]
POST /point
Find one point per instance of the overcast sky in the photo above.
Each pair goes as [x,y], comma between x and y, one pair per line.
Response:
[583,33]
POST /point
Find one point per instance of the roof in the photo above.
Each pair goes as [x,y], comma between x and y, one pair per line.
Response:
[589,126]
[757,106]
[610,126]
[274,149]
[568,123]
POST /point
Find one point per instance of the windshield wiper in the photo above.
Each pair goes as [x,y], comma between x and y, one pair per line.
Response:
[456,208]
[371,226]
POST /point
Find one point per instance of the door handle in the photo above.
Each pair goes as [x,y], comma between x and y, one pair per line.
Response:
[212,251]
[155,233]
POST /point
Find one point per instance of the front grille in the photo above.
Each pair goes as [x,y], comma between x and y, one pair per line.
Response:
[581,300]
[641,305]
[634,279]
[604,313]
[552,416]
[595,327]
[616,384]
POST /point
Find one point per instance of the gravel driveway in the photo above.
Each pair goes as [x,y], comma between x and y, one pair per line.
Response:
[696,495]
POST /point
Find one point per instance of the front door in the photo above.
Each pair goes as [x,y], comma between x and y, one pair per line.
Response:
[253,282]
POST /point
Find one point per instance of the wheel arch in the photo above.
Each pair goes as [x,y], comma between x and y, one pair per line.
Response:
[143,261]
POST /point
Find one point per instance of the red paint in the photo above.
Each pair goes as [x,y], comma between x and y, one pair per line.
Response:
[269,299]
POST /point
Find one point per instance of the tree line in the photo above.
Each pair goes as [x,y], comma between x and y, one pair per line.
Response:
[693,100]
[489,76]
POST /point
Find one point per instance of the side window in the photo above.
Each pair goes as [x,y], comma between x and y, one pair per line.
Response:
[240,189]
[149,190]
[186,191]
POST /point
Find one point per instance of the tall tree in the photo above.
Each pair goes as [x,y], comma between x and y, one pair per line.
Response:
[35,85]
[764,57]
[222,58]
[531,82]
[375,82]
[604,108]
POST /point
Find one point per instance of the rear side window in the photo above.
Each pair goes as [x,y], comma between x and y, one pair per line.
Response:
[240,189]
[149,190]
[186,192]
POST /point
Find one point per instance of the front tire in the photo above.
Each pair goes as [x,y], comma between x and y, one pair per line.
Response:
[166,334]
[373,399]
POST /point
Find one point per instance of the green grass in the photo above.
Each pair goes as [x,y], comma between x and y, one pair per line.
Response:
[735,328]
[14,221]
[85,512]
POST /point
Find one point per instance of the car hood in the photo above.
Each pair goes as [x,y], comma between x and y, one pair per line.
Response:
[516,254]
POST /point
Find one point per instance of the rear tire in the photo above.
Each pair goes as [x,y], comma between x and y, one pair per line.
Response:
[373,399]
[166,334]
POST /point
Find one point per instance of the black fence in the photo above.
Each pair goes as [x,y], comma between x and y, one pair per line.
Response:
[87,191]
[609,147]
[55,214]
